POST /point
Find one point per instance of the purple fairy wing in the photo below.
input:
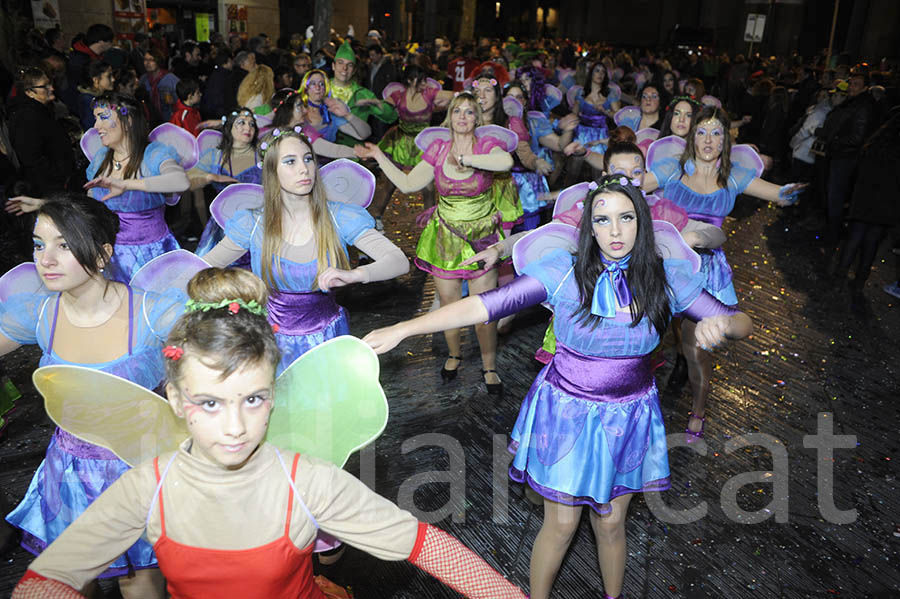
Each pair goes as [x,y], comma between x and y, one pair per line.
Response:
[670,244]
[168,271]
[711,101]
[431,134]
[238,196]
[348,182]
[646,134]
[184,144]
[551,91]
[626,114]
[513,107]
[264,120]
[21,279]
[392,88]
[90,143]
[745,156]
[509,138]
[208,139]
[615,87]
[572,95]
[570,196]
[433,84]
[670,146]
[543,240]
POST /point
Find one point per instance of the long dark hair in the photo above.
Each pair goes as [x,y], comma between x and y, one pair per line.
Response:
[589,83]
[645,274]
[134,123]
[86,224]
[666,128]
[227,143]
[498,115]
[663,102]
[536,97]
[283,103]
[690,151]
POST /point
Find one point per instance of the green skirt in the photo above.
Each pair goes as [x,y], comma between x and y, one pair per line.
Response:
[401,146]
[505,196]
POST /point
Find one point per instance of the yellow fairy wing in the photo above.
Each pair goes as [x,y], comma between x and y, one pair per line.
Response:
[109,411]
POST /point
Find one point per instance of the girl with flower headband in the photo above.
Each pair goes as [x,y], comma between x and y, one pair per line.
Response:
[290,111]
[82,318]
[679,117]
[416,97]
[327,115]
[596,401]
[229,514]
[132,176]
[705,181]
[461,164]
[297,243]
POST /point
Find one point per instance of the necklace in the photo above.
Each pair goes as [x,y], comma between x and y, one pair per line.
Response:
[117,164]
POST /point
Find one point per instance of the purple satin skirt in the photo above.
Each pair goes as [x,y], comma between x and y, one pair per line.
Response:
[304,319]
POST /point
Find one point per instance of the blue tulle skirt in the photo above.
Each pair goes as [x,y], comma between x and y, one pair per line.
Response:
[127,259]
[586,134]
[718,276]
[530,185]
[583,452]
[294,346]
[71,477]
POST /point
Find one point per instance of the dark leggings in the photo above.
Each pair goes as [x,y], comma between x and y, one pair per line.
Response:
[863,239]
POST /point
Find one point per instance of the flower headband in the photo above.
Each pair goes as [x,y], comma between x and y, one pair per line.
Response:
[599,187]
[236,113]
[175,353]
[121,109]
[264,146]
[689,99]
[290,95]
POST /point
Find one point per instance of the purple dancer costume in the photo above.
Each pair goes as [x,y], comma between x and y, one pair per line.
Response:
[74,472]
[590,428]
[305,316]
[143,232]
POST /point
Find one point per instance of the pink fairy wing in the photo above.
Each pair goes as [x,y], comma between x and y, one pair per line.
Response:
[569,197]
[208,139]
[745,156]
[542,241]
[168,271]
[629,112]
[573,93]
[509,138]
[431,134]
[670,146]
[391,89]
[20,279]
[512,107]
[648,134]
[238,196]
[348,182]
[90,143]
[184,144]
[670,244]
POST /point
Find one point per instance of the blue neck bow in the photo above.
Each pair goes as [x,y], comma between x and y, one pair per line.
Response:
[323,110]
[611,286]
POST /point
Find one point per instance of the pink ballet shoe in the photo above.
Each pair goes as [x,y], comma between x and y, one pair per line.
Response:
[691,436]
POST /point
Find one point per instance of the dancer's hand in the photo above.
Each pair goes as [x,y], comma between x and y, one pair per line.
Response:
[331,278]
[710,331]
[386,339]
[575,149]
[568,122]
[787,195]
[116,187]
[336,107]
[20,205]
[367,151]
[542,167]
[368,102]
[216,178]
[490,256]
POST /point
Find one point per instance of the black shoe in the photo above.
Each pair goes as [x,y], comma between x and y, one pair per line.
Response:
[679,374]
[449,375]
[493,388]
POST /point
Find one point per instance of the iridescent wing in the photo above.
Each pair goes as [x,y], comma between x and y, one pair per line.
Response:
[744,155]
[208,139]
[172,270]
[670,244]
[509,138]
[21,279]
[90,143]
[184,144]
[629,113]
[430,135]
[237,196]
[348,182]
[542,241]
[569,197]
[512,107]
[670,146]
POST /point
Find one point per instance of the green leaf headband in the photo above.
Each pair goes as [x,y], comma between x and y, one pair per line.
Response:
[232,305]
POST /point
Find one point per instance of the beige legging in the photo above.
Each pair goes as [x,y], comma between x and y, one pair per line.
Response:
[553,540]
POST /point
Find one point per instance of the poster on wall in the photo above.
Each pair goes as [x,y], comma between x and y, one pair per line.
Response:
[46,14]
[236,19]
[202,24]
[128,18]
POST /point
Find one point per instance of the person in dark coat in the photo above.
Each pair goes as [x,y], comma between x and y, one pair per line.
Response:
[96,41]
[217,85]
[41,144]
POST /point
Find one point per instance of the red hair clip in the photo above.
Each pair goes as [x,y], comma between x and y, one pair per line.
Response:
[173,352]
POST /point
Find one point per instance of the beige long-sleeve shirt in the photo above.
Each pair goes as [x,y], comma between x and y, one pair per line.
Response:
[206,506]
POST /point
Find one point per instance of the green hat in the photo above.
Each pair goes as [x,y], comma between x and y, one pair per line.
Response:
[346,52]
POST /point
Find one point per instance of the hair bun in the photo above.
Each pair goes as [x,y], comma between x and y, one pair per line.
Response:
[212,285]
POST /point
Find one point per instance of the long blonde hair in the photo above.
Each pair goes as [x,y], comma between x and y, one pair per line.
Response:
[329,248]
[260,81]
[459,99]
